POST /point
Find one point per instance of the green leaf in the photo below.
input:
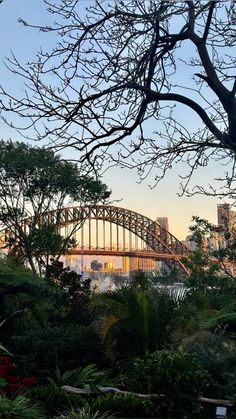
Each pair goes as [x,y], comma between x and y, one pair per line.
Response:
[3,382]
[4,350]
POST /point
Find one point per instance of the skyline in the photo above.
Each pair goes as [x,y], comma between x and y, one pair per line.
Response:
[162,201]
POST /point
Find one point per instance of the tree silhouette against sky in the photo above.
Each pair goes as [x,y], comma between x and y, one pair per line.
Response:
[138,84]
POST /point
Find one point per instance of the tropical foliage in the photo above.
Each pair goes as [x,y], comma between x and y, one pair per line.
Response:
[88,378]
[135,320]
[19,408]
[179,377]
[141,337]
[124,406]
[54,399]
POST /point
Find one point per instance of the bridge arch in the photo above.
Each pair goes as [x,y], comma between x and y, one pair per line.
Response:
[165,246]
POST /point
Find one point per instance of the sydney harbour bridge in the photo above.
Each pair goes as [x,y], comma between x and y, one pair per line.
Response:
[111,230]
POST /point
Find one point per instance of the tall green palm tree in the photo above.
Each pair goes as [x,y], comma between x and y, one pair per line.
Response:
[133,320]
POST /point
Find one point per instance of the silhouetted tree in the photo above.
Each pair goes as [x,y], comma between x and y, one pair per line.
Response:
[121,66]
[34,181]
[76,295]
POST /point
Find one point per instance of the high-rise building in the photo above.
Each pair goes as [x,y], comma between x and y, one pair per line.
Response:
[189,243]
[226,216]
[226,221]
[158,228]
[163,221]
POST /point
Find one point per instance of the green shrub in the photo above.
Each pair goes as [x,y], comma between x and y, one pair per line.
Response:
[37,352]
[124,406]
[3,350]
[54,399]
[85,413]
[19,408]
[180,377]
[217,354]
[82,377]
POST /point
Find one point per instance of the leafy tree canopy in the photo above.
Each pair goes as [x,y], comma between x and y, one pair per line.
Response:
[34,181]
[20,291]
[208,262]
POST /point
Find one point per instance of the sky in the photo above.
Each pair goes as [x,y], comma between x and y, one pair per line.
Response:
[127,191]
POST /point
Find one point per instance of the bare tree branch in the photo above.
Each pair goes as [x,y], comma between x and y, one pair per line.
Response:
[118,82]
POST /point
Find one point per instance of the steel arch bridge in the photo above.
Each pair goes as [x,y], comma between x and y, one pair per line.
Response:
[160,244]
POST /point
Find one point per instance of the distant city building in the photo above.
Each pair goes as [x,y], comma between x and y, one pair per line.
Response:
[146,265]
[189,243]
[163,221]
[108,266]
[226,217]
[226,222]
[95,265]
[214,240]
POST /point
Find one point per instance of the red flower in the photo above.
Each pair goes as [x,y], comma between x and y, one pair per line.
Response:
[15,383]
[6,360]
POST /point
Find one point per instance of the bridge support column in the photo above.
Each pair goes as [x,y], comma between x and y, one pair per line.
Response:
[125,264]
[134,264]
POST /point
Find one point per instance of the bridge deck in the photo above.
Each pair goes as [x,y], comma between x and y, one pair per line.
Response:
[129,253]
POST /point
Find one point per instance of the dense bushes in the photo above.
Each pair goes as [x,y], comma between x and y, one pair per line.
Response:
[135,319]
[66,346]
[217,355]
[124,406]
[178,378]
[19,408]
[54,399]
[174,348]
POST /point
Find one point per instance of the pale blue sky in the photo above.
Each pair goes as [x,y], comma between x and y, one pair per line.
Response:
[160,201]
